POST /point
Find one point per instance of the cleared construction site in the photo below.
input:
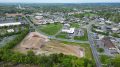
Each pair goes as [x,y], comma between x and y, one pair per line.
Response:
[41,45]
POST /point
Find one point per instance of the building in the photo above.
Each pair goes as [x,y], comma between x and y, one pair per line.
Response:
[38,17]
[10,24]
[14,15]
[108,44]
[109,22]
[70,30]
[79,32]
[10,30]
[115,29]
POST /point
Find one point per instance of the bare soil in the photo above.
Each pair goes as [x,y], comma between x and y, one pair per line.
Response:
[40,44]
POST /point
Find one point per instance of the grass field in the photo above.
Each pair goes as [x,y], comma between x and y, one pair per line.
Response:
[90,14]
[62,35]
[83,38]
[50,29]
[76,25]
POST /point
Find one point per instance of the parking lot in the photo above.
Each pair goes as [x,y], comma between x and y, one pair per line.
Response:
[12,19]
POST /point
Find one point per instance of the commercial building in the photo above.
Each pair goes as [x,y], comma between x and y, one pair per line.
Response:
[70,31]
[10,24]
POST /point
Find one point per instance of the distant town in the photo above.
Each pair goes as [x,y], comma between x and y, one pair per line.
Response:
[60,35]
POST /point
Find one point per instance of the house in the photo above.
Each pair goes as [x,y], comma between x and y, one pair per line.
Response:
[115,29]
[98,30]
[102,23]
[100,37]
[101,19]
[109,22]
[39,14]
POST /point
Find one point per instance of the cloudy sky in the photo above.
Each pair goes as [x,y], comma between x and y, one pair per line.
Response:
[57,1]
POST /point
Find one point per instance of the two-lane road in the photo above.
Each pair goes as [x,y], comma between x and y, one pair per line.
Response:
[92,45]
[94,51]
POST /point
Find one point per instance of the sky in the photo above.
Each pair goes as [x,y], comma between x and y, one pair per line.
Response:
[58,1]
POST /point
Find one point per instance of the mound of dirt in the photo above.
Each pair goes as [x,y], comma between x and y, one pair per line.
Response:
[40,44]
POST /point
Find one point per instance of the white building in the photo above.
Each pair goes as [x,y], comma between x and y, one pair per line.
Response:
[10,30]
[108,21]
[71,30]
[115,29]
[9,24]
[38,17]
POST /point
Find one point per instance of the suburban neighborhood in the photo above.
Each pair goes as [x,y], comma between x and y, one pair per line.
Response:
[59,35]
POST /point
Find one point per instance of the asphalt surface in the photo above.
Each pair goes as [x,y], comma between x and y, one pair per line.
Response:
[94,51]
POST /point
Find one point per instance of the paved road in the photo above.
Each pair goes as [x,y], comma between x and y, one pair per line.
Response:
[94,51]
[68,40]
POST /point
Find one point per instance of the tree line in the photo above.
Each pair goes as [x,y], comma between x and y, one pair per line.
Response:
[53,60]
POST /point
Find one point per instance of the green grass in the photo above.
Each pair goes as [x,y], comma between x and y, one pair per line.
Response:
[76,25]
[50,29]
[104,59]
[82,38]
[90,14]
[62,35]
[88,53]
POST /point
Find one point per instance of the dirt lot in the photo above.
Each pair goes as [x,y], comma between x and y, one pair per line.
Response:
[40,44]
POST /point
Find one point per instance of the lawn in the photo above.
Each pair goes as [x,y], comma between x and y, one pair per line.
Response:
[76,25]
[50,29]
[82,38]
[104,59]
[88,53]
[90,14]
[62,35]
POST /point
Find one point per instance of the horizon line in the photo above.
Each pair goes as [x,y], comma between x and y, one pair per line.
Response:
[60,3]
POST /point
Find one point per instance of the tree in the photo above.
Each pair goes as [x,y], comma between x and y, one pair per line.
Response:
[104,59]
[116,61]
[30,53]
[100,50]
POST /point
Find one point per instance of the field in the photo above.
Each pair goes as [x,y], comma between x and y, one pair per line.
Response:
[40,45]
[50,29]
[87,49]
[62,35]
[75,25]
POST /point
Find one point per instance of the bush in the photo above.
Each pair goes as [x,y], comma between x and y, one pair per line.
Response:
[100,50]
